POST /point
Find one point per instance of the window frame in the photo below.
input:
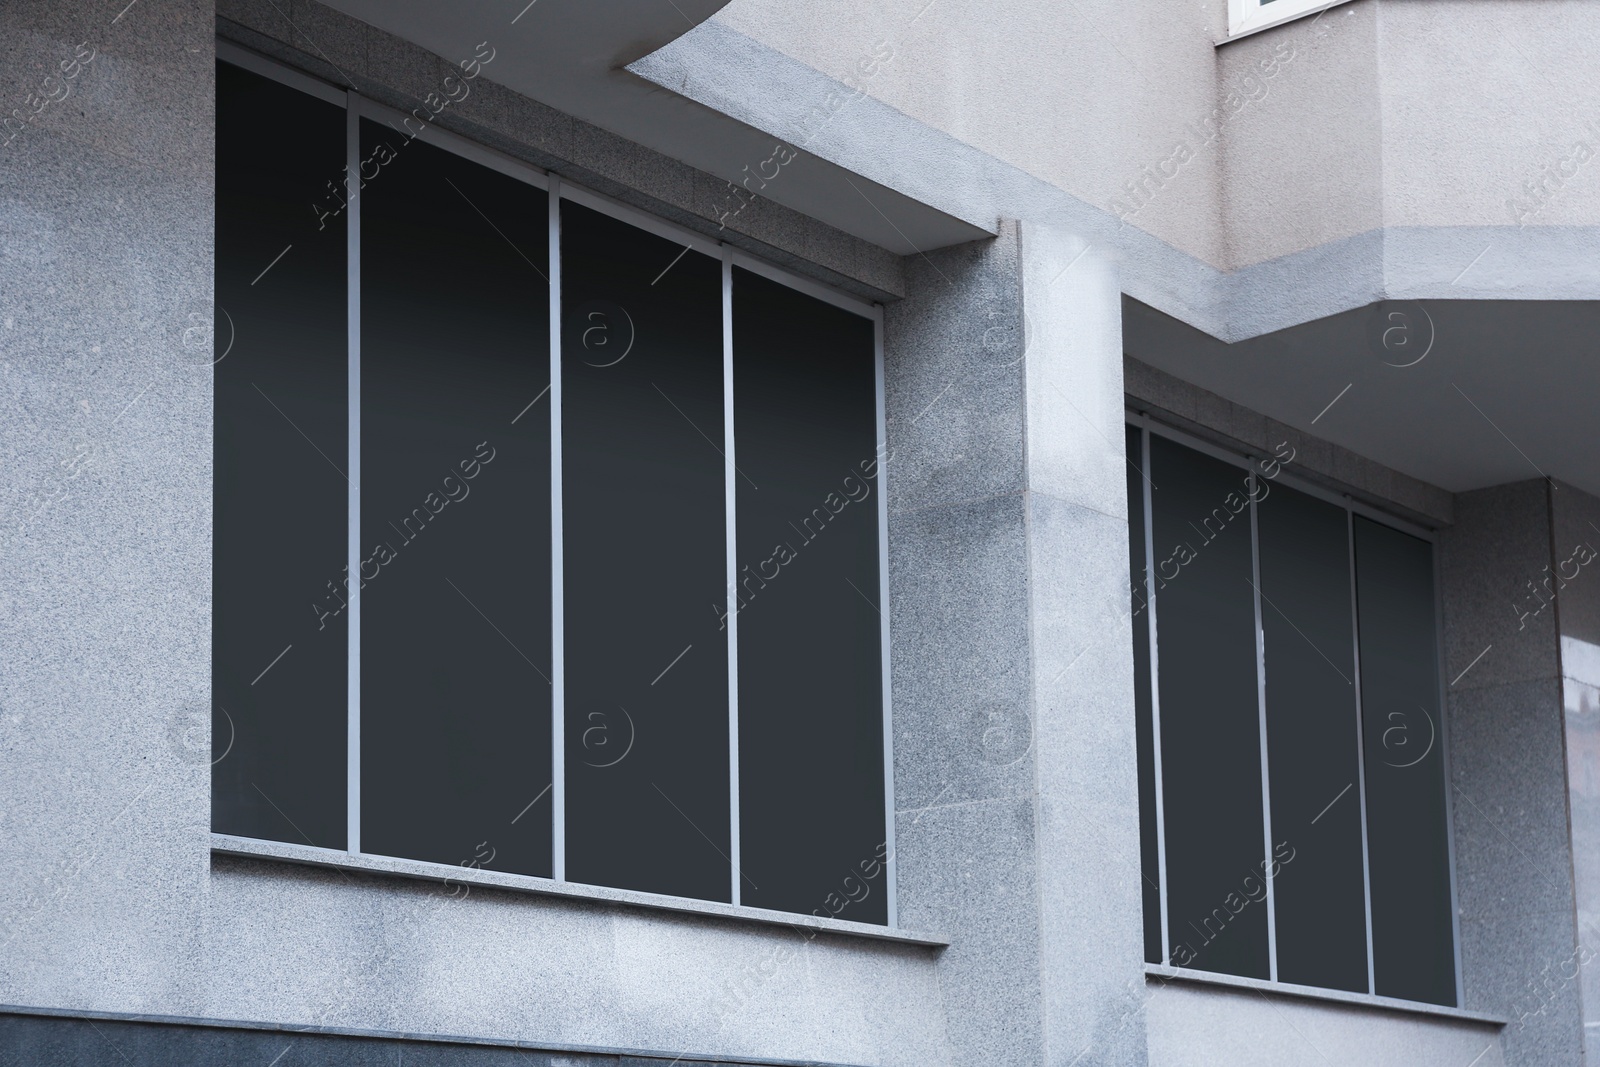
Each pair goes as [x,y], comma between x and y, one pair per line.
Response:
[1147,425]
[1252,16]
[556,188]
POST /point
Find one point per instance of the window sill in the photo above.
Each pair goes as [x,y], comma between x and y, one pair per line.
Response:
[227,845]
[1250,29]
[1306,992]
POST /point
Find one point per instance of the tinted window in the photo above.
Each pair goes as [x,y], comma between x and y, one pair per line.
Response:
[1412,933]
[455,511]
[809,623]
[279,637]
[1210,719]
[646,557]
[1312,739]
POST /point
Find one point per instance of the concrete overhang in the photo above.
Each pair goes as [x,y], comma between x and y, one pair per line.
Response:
[573,55]
[1462,394]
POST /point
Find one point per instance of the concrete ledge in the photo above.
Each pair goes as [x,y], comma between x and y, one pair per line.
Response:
[227,845]
[1306,992]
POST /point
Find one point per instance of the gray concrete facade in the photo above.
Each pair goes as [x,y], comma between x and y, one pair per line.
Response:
[131,934]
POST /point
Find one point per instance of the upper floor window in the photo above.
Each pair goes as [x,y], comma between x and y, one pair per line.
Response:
[548,538]
[1247,16]
[1292,776]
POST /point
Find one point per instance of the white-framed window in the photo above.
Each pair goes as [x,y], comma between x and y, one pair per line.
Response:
[549,537]
[1247,16]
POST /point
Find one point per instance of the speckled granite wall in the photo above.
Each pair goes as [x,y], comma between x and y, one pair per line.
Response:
[1508,774]
[106,340]
[1574,578]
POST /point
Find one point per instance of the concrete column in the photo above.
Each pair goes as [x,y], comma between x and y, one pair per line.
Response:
[966,828]
[1085,766]
[1519,947]
[1016,778]
[106,343]
[1575,576]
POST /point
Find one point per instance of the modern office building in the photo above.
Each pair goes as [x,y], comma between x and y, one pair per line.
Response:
[909,534]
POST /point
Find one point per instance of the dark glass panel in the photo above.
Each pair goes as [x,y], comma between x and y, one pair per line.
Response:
[645,557]
[1149,856]
[455,510]
[810,673]
[1210,718]
[1407,830]
[278,645]
[1312,739]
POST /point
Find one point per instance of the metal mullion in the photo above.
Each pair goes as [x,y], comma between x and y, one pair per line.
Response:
[891,866]
[1361,748]
[730,501]
[1444,757]
[352,182]
[1261,707]
[558,670]
[1155,690]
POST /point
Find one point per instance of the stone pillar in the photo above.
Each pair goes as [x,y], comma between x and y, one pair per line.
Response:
[1575,578]
[1017,830]
[1508,783]
[106,344]
[1086,771]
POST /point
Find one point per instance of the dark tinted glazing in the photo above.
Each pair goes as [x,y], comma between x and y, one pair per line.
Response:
[1210,719]
[279,495]
[646,557]
[1312,738]
[455,510]
[810,671]
[1412,940]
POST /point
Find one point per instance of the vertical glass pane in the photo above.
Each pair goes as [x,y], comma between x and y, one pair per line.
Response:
[279,494]
[646,555]
[810,672]
[1312,738]
[1210,717]
[1413,947]
[455,510]
[1148,844]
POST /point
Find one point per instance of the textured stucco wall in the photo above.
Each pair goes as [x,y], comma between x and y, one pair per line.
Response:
[1479,98]
[1308,169]
[1083,98]
[1388,112]
[1303,166]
